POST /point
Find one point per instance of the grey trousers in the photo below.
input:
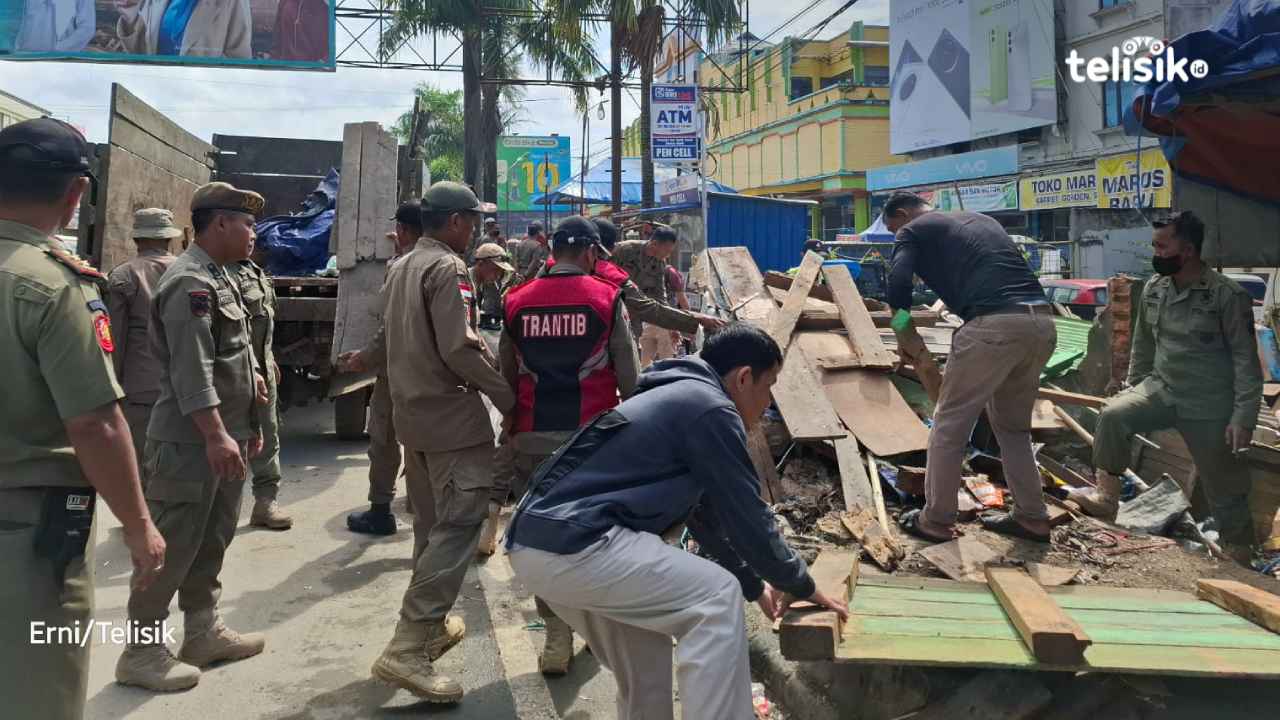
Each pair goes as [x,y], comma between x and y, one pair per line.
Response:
[995,363]
[450,492]
[629,595]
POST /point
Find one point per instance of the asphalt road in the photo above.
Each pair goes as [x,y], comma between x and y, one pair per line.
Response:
[327,600]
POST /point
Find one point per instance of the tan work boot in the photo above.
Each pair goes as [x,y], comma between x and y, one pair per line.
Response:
[1103,501]
[557,652]
[489,538]
[155,668]
[267,514]
[404,664]
[444,636]
[206,640]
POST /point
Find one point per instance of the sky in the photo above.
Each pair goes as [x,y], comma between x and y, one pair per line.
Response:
[299,104]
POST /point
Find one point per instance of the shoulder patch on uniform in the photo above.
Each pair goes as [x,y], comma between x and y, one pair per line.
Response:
[102,330]
[96,306]
[464,287]
[78,264]
[199,302]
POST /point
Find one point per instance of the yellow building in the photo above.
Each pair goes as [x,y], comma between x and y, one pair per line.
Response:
[14,109]
[813,119]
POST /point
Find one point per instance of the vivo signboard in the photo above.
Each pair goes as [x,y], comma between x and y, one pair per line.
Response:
[948,168]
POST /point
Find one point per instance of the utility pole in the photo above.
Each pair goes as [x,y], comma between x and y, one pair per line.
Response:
[615,77]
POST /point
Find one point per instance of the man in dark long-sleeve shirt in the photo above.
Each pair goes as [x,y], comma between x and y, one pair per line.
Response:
[585,538]
[995,360]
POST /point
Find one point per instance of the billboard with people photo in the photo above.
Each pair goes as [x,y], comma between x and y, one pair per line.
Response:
[293,34]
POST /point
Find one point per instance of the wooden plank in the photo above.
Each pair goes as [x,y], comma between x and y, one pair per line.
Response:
[1043,417]
[854,484]
[912,346]
[811,633]
[126,135]
[127,105]
[762,459]
[1005,695]
[1271,391]
[377,192]
[1052,636]
[344,239]
[783,281]
[1071,423]
[1248,602]
[873,409]
[287,281]
[857,321]
[278,156]
[359,308]
[1063,397]
[964,559]
[1066,474]
[812,307]
[879,545]
[135,183]
[805,409]
[900,605]
[824,347]
[1070,598]
[877,493]
[784,321]
[306,309]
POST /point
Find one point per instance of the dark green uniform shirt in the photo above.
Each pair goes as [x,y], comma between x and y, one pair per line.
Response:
[54,357]
[1196,349]
[201,336]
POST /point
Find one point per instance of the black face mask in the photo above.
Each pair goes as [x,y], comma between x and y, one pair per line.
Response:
[1166,265]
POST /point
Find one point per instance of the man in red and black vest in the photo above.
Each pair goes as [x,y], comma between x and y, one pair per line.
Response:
[568,353]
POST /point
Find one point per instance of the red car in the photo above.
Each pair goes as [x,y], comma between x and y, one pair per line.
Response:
[1083,297]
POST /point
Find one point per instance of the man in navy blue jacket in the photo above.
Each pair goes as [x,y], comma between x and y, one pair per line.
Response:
[586,536]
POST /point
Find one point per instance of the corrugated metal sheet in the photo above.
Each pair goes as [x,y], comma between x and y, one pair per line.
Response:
[773,230]
[1073,342]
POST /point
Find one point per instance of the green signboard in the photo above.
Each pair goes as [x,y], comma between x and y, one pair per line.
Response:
[528,168]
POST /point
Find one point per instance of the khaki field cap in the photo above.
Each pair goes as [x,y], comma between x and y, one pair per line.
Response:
[494,253]
[155,224]
[447,196]
[224,196]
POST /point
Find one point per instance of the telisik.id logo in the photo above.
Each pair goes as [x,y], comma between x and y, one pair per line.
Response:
[1158,63]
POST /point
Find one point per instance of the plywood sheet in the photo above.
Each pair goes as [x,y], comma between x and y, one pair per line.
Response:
[873,409]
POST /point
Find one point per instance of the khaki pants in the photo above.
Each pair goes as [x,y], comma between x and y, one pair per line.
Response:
[655,345]
[266,466]
[995,363]
[138,416]
[450,493]
[45,680]
[1225,478]
[628,595]
[384,448]
[197,514]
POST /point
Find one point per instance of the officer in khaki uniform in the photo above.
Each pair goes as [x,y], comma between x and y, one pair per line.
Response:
[204,428]
[531,253]
[63,437]
[259,297]
[438,366]
[130,288]
[1194,366]
[646,262]
[384,447]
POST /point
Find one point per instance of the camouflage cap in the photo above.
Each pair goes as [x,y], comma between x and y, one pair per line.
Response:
[155,223]
[225,196]
[494,253]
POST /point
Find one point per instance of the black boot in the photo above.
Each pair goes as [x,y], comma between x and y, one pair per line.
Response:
[376,521]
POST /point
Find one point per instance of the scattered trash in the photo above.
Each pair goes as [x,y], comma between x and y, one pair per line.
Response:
[535,625]
[759,702]
[989,495]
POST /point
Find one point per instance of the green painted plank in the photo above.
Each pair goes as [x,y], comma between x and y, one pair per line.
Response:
[1068,597]
[911,609]
[1002,629]
[988,653]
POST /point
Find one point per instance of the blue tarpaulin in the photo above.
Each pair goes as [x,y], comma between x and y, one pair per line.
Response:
[598,188]
[1217,129]
[298,244]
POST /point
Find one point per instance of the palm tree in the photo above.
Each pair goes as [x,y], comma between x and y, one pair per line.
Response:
[636,31]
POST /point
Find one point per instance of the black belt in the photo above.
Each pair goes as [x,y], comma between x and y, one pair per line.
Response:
[1043,309]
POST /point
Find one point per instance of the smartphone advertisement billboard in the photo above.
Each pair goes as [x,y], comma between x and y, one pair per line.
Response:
[966,69]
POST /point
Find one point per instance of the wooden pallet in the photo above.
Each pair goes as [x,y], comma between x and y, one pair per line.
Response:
[943,623]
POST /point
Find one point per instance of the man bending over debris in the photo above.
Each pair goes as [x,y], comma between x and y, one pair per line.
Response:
[1195,367]
[995,361]
[585,538]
